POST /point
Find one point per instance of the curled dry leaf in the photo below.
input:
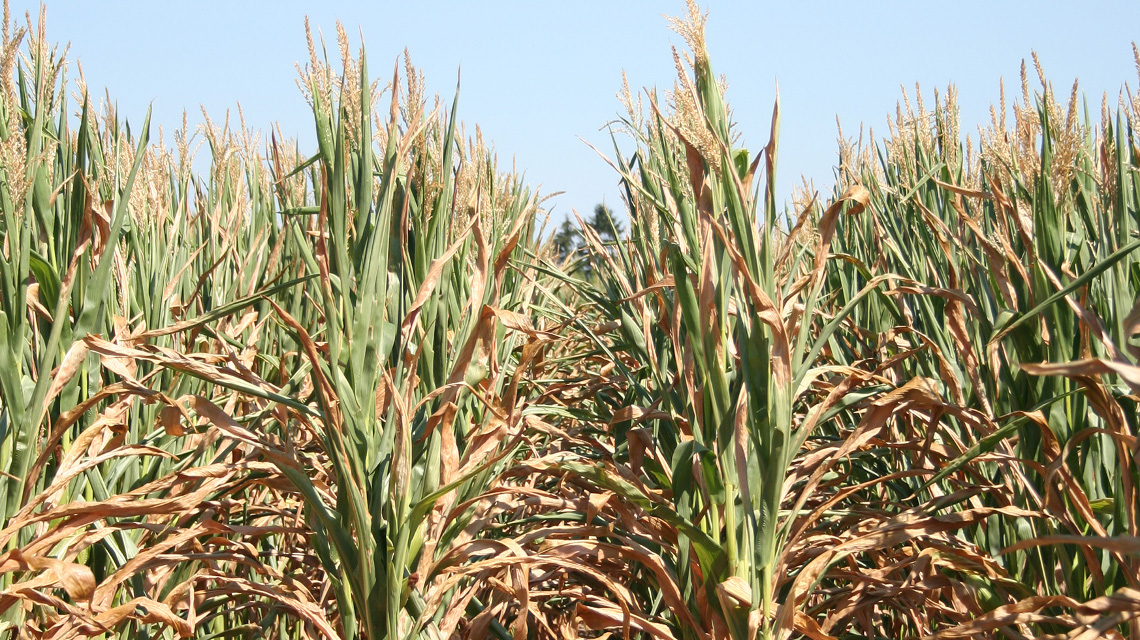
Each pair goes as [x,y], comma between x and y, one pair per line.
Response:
[1129,373]
[76,579]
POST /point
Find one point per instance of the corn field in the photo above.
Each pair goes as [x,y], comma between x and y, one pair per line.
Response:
[356,392]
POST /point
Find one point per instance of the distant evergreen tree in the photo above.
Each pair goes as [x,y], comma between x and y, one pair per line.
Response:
[603,222]
[566,239]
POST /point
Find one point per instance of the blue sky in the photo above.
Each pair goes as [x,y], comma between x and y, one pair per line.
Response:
[539,75]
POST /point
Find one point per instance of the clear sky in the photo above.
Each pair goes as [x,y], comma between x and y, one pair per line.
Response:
[538,75]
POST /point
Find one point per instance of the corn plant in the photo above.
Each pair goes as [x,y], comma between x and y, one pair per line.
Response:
[780,409]
[272,323]
[1028,273]
[711,304]
[415,297]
